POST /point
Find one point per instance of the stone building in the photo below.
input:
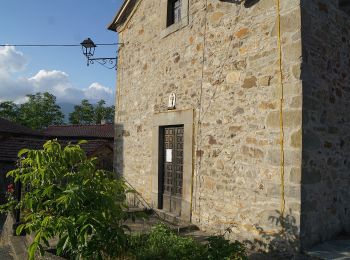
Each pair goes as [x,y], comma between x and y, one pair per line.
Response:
[233,114]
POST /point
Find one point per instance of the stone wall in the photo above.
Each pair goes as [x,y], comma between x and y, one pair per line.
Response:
[326,121]
[225,65]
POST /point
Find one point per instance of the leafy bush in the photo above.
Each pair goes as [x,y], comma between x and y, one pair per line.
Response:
[162,243]
[70,199]
[220,248]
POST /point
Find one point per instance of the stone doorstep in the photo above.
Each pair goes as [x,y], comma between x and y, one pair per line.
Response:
[136,210]
[153,217]
[179,226]
[175,222]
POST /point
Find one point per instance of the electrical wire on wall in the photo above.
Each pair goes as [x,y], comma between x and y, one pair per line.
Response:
[279,42]
[199,123]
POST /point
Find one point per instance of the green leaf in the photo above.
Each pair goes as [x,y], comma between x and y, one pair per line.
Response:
[22,151]
[61,242]
[19,229]
[32,249]
[66,243]
[82,142]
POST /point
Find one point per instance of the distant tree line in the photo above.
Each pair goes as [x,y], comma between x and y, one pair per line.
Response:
[41,110]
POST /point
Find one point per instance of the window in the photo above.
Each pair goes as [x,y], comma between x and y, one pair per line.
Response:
[174,12]
[174,15]
[344,5]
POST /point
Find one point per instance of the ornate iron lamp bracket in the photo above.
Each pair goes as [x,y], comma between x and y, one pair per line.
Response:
[88,48]
[109,63]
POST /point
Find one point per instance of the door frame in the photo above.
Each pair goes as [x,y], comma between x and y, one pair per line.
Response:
[161,159]
[173,118]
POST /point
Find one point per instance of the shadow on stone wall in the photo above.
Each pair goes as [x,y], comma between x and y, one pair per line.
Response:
[280,244]
[119,149]
[325,193]
[134,199]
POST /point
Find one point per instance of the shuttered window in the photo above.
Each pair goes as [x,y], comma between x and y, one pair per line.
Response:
[174,12]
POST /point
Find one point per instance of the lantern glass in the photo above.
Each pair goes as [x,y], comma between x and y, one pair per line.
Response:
[88,47]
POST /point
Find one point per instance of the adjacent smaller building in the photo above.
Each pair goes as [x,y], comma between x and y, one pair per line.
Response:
[100,140]
[14,137]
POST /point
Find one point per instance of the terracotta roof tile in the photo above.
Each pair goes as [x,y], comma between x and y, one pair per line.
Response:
[9,147]
[81,131]
[7,126]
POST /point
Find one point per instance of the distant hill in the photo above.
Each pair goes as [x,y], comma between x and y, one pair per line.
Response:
[66,109]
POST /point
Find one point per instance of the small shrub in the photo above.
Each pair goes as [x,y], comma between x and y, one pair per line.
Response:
[162,243]
[70,199]
[220,248]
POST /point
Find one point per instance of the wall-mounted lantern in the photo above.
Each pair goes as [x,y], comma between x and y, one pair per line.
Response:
[88,48]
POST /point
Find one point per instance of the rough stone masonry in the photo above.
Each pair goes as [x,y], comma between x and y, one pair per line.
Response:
[222,62]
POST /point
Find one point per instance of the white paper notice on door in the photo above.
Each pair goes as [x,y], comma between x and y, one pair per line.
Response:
[169,155]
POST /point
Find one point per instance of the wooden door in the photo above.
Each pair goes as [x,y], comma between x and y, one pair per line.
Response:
[172,168]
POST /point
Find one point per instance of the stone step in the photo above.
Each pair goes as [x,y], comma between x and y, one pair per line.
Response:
[153,217]
[175,222]
[139,210]
[167,216]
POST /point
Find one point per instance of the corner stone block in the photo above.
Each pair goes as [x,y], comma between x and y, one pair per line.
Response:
[290,22]
[292,52]
[291,157]
[295,175]
[291,119]
[296,138]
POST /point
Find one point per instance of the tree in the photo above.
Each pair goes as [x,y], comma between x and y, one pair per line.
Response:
[9,110]
[82,114]
[86,113]
[40,111]
[103,113]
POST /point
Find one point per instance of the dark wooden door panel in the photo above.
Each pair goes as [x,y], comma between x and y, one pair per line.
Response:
[173,168]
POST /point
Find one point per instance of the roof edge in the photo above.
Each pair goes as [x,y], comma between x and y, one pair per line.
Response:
[122,15]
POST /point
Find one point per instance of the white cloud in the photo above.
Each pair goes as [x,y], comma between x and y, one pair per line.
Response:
[96,91]
[11,60]
[53,81]
[14,87]
[50,77]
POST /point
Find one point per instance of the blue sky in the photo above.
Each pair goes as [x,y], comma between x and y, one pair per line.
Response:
[60,70]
